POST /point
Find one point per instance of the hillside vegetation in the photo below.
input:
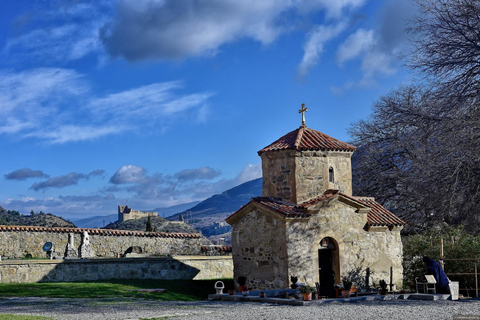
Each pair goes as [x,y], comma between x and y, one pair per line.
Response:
[14,218]
[158,224]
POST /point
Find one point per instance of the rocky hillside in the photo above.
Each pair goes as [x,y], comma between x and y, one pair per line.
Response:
[14,218]
[158,224]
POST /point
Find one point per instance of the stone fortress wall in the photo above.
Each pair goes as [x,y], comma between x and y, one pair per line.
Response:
[126,213]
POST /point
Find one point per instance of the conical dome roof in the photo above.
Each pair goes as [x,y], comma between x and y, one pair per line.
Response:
[307,139]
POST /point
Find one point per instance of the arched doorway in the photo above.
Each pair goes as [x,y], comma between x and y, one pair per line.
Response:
[328,266]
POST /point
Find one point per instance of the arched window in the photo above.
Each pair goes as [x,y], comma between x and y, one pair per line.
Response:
[331,175]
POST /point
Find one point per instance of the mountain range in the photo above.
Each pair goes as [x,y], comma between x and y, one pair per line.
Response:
[208,216]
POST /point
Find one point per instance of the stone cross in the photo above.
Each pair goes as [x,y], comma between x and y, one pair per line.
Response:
[302,111]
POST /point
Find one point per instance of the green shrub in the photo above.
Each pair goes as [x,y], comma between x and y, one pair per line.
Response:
[457,244]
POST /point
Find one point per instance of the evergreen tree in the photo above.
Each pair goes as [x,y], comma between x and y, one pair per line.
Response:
[149,225]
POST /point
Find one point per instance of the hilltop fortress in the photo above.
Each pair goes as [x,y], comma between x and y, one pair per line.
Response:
[126,213]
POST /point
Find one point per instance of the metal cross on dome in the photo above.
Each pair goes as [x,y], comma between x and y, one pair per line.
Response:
[302,111]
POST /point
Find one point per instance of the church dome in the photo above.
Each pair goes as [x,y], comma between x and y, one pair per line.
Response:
[306,139]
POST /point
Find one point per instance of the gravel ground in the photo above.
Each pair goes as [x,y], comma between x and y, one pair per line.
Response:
[93,309]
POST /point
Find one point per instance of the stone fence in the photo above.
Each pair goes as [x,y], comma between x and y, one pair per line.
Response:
[18,242]
[172,268]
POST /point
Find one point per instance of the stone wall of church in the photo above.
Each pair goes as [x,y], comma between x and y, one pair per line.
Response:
[18,242]
[259,251]
[278,169]
[378,249]
[312,174]
[298,176]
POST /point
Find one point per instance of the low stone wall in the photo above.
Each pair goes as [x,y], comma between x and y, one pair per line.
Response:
[19,241]
[177,267]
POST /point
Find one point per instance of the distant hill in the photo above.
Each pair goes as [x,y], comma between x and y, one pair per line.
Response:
[227,202]
[209,215]
[166,212]
[96,221]
[14,218]
[101,221]
[159,224]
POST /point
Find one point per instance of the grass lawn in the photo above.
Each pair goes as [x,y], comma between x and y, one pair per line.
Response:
[20,317]
[187,290]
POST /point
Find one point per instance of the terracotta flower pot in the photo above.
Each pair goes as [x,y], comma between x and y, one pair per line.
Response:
[307,296]
[231,292]
[242,288]
[346,293]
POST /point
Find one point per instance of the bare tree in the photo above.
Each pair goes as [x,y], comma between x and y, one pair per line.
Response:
[419,156]
[447,44]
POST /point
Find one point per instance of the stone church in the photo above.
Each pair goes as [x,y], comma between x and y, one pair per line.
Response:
[307,222]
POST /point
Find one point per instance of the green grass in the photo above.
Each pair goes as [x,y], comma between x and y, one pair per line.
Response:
[186,290]
[21,317]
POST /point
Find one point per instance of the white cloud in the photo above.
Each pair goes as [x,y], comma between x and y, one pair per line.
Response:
[72,33]
[172,29]
[377,49]
[205,173]
[250,172]
[334,9]
[375,62]
[178,28]
[313,47]
[129,174]
[57,106]
[25,93]
[357,43]
[146,102]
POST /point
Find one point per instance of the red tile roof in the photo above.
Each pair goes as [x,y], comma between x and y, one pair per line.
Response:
[283,208]
[378,215]
[306,139]
[104,232]
[220,249]
[327,195]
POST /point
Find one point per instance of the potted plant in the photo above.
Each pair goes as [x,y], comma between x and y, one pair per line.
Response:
[241,284]
[383,288]
[294,280]
[347,286]
[307,292]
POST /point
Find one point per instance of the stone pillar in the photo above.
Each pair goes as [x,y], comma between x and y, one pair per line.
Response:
[86,250]
[70,250]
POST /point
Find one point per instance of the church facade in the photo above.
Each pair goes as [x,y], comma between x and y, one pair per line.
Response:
[308,224]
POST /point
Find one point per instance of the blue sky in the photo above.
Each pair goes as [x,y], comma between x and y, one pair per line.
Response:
[162,102]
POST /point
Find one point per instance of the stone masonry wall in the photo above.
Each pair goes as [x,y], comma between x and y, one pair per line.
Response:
[125,213]
[183,267]
[298,176]
[278,170]
[358,249]
[18,242]
[312,173]
[259,251]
